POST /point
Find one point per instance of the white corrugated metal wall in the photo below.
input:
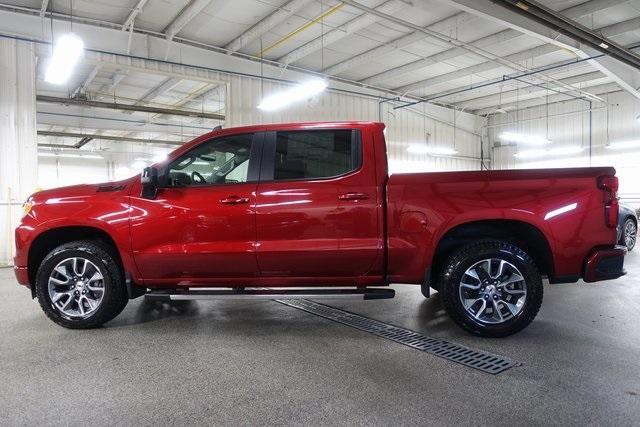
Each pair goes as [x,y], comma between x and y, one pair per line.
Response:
[614,122]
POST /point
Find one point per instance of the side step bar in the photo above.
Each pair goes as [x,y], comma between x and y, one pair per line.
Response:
[267,294]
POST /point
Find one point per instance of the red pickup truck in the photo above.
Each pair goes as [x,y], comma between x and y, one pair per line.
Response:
[311,205]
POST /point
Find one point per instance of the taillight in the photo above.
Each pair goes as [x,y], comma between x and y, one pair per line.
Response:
[609,184]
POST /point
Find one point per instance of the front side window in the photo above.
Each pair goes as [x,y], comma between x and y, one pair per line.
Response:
[316,154]
[222,160]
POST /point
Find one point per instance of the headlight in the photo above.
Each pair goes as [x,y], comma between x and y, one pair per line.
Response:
[26,207]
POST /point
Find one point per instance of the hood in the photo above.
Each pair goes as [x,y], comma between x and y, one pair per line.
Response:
[83,190]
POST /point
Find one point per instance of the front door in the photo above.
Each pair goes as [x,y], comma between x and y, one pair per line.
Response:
[202,223]
[317,206]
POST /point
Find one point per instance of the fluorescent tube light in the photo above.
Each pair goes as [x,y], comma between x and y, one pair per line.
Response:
[66,53]
[557,151]
[426,149]
[563,151]
[71,156]
[520,138]
[621,145]
[292,95]
[530,154]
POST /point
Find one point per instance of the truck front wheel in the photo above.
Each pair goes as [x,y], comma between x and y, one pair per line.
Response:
[491,288]
[80,285]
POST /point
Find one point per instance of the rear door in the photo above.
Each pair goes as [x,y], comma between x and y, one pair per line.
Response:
[317,205]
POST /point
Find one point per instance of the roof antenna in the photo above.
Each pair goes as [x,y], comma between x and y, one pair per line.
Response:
[219,127]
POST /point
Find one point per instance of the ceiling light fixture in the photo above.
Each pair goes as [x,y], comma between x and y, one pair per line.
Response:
[621,145]
[70,156]
[66,54]
[520,138]
[558,151]
[292,95]
[434,150]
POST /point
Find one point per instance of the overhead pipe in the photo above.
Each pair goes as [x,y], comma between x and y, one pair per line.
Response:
[102,137]
[128,107]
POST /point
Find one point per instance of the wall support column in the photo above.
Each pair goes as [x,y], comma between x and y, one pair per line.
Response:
[18,144]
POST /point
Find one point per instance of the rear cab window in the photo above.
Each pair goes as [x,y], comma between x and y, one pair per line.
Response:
[316,154]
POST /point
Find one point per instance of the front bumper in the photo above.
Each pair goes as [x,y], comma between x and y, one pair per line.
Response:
[22,274]
[605,263]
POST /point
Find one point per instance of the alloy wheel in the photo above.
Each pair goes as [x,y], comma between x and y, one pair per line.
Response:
[630,233]
[76,287]
[493,291]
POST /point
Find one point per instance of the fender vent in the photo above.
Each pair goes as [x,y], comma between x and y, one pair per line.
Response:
[483,361]
[107,188]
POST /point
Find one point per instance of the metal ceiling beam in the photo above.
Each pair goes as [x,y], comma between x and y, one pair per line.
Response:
[458,19]
[102,137]
[128,107]
[493,12]
[168,84]
[527,92]
[599,90]
[137,9]
[83,87]
[447,40]
[43,8]
[344,30]
[266,24]
[76,117]
[612,30]
[106,43]
[189,12]
[570,28]
[484,42]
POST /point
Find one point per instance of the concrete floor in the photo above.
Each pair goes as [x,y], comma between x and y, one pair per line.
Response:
[249,363]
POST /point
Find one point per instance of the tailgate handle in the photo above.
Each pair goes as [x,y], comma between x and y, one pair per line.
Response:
[353,196]
[234,200]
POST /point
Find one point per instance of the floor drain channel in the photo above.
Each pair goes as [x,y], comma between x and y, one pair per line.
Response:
[486,362]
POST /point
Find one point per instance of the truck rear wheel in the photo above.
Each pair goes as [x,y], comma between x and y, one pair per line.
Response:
[80,285]
[491,288]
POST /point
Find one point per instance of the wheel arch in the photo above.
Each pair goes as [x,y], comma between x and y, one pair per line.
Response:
[46,241]
[520,233]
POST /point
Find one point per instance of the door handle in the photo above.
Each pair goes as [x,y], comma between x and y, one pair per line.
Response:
[353,196]
[234,200]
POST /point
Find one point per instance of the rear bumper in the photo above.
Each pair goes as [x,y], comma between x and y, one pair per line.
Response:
[605,264]
[22,275]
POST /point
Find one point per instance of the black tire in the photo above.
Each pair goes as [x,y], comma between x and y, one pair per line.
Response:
[115,296]
[464,259]
[629,222]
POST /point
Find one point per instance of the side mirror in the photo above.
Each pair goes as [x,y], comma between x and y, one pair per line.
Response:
[149,181]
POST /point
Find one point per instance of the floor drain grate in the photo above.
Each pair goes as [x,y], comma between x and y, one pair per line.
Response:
[486,362]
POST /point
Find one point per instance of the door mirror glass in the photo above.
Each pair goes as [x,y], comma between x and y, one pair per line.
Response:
[149,181]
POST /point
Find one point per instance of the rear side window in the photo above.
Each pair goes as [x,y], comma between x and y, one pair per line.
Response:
[316,154]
